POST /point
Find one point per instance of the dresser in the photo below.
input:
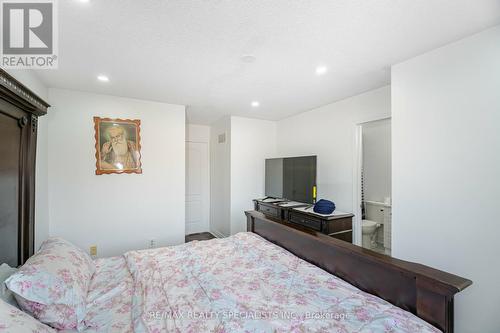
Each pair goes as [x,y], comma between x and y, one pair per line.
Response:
[338,225]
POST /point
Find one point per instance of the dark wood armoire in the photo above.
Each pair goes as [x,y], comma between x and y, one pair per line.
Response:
[19,112]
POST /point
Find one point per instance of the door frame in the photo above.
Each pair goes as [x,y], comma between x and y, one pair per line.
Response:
[208,197]
[356,182]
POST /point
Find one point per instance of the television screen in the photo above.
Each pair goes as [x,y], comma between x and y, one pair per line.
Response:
[291,178]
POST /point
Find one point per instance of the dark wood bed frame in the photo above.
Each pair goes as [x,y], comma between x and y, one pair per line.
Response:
[421,290]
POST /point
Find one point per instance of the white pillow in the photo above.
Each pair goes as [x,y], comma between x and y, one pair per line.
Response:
[52,285]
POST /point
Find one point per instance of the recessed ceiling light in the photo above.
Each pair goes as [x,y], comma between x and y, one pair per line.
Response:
[320,70]
[248,58]
[84,0]
[255,104]
[103,78]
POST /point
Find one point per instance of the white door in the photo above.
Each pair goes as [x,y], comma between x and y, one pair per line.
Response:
[197,187]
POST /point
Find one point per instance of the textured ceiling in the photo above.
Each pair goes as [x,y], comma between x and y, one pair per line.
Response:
[189,51]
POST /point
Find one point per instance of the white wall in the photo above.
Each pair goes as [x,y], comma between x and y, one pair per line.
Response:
[328,132]
[220,178]
[446,162]
[252,141]
[115,212]
[31,80]
[377,160]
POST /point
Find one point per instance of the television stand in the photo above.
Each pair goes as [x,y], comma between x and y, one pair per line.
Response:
[338,225]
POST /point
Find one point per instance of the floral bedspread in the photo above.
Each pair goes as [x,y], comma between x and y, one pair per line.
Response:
[246,284]
[109,300]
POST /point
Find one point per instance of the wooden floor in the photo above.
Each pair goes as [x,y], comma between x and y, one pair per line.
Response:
[201,236]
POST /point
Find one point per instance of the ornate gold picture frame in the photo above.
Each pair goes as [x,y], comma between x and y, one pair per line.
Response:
[118,146]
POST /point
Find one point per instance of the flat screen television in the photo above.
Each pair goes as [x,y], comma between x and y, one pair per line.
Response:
[291,178]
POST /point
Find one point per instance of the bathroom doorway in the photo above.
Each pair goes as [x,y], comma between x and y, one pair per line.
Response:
[373,183]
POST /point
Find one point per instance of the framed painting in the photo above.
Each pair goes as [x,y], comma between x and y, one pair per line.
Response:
[117,145]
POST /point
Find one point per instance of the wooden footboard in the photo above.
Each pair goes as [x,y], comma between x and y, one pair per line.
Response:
[422,290]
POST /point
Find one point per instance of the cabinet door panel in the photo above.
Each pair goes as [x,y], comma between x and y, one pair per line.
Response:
[10,147]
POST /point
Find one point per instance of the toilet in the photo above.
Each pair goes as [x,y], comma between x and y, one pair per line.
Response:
[368,229]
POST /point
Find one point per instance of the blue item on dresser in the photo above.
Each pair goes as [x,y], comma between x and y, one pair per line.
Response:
[324,207]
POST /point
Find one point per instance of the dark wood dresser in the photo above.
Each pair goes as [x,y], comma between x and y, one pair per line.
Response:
[337,226]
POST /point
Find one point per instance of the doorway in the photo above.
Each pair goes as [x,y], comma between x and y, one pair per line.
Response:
[197,187]
[372,185]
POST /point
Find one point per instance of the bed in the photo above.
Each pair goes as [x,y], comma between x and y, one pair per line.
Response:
[247,283]
[243,283]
